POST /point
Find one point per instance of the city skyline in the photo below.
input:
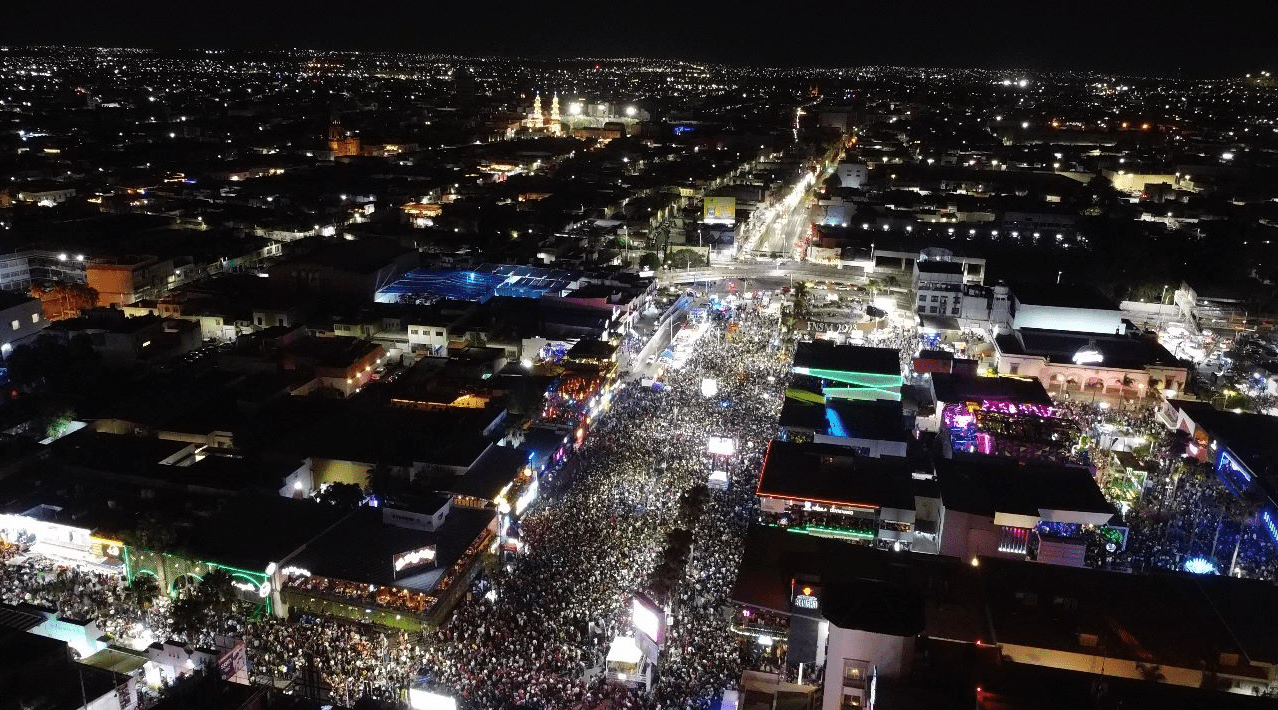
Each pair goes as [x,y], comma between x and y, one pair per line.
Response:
[1085,37]
[427,378]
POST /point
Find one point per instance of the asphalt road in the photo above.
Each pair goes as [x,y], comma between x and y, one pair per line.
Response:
[763,269]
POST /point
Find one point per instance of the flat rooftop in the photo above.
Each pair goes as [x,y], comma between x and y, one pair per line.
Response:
[876,420]
[834,474]
[986,485]
[1020,603]
[950,387]
[935,266]
[824,355]
[253,530]
[1127,352]
[1062,296]
[773,557]
[360,548]
[494,470]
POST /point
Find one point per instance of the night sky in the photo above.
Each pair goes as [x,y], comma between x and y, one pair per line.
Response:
[1145,37]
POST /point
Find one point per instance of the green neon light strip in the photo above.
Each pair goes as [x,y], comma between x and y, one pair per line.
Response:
[832,531]
[867,378]
[861,393]
[251,577]
[259,577]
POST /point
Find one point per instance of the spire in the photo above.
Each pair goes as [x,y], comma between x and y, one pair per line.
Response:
[536,111]
[554,107]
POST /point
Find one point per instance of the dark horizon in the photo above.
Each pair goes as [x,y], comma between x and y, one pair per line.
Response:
[997,35]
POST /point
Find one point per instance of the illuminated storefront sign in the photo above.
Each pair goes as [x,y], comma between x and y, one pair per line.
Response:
[414,558]
[806,596]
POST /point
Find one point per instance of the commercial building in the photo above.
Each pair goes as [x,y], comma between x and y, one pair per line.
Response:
[394,565]
[1091,365]
[345,271]
[1242,448]
[852,175]
[828,490]
[123,341]
[339,363]
[869,427]
[1003,416]
[40,671]
[21,318]
[948,286]
[20,270]
[894,627]
[1066,308]
[122,280]
[850,371]
[993,507]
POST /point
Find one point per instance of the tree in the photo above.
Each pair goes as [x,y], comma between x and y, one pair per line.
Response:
[346,496]
[143,590]
[802,301]
[649,260]
[692,503]
[686,259]
[217,592]
[189,615]
[59,423]
[65,300]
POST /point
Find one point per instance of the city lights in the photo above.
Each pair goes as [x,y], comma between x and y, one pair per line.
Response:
[451,354]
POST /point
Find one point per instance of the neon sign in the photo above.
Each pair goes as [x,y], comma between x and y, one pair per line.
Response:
[805,597]
[1270,525]
[414,558]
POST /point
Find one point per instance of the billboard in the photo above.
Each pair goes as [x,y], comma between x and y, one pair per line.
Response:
[232,665]
[413,558]
[719,210]
[649,619]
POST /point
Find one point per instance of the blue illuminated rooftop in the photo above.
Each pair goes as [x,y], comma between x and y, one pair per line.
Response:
[479,284]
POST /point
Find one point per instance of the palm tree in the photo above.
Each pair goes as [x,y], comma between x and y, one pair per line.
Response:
[802,301]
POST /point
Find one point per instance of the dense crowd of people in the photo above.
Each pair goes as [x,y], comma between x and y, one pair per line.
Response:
[541,637]
[538,629]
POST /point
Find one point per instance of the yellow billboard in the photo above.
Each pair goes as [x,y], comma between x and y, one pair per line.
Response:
[720,210]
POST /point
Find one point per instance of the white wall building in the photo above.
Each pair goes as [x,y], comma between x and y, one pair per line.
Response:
[852,174]
[21,318]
